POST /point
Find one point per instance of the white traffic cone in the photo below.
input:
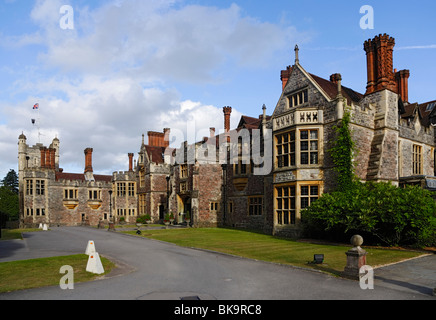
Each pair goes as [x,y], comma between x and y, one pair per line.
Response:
[90,248]
[94,264]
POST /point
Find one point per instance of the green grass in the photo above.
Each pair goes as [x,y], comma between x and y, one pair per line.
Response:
[29,274]
[263,247]
[13,234]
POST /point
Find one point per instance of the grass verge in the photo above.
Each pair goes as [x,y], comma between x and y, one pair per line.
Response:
[263,247]
[36,273]
[13,234]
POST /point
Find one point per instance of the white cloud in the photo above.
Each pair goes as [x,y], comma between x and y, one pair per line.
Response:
[114,77]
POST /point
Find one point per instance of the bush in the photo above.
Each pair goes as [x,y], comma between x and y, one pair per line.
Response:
[390,214]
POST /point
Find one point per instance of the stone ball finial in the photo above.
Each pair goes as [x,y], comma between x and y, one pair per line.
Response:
[356,240]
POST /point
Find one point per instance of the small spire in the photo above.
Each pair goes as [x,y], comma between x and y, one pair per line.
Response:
[264,114]
[297,60]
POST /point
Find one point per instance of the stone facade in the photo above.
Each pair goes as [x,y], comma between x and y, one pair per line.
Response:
[50,196]
[220,180]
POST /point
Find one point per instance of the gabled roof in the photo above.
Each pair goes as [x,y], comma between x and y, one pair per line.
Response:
[425,112]
[331,89]
[249,123]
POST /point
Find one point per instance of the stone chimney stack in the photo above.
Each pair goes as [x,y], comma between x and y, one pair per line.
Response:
[212,132]
[130,161]
[88,160]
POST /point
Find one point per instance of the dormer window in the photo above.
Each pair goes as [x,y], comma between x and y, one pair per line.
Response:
[430,107]
[298,99]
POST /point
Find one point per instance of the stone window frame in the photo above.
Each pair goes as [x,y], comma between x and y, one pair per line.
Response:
[39,187]
[40,212]
[230,207]
[306,199]
[309,151]
[417,159]
[298,98]
[286,149]
[142,178]
[71,194]
[94,195]
[242,166]
[214,206]
[184,173]
[285,204]
[183,186]
[255,206]
[131,187]
[121,189]
[29,187]
[142,204]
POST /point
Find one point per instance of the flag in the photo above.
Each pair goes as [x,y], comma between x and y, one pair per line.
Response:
[36,106]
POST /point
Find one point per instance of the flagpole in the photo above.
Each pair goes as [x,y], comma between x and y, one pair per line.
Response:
[39,133]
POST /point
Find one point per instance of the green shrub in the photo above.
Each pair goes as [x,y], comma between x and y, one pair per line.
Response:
[393,215]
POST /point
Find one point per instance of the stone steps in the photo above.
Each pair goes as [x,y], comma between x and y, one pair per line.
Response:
[375,157]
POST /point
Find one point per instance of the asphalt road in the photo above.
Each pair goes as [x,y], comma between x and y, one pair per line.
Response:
[153,270]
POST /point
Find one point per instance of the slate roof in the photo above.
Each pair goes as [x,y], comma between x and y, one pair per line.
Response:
[331,89]
[81,177]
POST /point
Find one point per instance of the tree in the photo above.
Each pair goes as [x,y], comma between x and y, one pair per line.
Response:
[395,216]
[9,207]
[11,181]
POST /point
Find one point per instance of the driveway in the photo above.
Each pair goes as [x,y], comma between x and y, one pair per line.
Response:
[152,269]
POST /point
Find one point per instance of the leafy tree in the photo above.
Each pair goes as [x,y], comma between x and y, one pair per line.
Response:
[11,181]
[9,208]
[393,215]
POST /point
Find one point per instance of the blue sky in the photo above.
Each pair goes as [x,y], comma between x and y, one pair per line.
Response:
[130,66]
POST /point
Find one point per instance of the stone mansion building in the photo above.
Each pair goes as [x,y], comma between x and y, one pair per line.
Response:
[217,180]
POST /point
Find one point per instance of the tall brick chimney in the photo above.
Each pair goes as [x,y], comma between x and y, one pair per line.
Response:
[48,158]
[52,158]
[381,73]
[88,160]
[227,112]
[402,78]
[379,60]
[130,161]
[42,150]
[166,141]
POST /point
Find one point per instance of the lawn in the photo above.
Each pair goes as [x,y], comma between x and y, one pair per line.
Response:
[28,274]
[11,234]
[263,247]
